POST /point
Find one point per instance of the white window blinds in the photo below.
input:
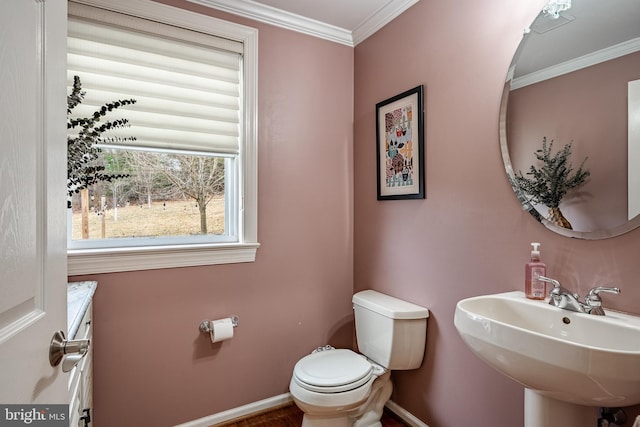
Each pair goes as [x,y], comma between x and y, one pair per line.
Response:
[187,84]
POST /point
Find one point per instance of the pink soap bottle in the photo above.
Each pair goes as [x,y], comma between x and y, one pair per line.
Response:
[533,287]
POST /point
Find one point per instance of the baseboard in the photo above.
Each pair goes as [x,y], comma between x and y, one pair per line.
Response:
[404,415]
[281,400]
[240,411]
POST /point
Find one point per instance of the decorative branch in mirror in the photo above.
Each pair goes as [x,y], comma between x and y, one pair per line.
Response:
[572,79]
[549,184]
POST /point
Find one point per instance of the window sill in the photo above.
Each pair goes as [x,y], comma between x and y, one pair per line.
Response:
[93,261]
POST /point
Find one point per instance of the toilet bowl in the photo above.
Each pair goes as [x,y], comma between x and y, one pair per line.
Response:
[338,386]
[341,388]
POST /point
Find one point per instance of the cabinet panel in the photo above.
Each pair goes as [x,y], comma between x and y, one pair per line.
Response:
[81,378]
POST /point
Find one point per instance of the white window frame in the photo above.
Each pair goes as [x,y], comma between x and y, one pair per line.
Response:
[92,261]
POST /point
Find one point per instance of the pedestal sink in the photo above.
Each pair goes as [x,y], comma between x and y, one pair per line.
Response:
[569,363]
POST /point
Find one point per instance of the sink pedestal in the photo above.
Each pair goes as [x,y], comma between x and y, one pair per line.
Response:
[542,411]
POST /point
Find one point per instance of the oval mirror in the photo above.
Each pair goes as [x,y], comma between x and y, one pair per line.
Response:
[570,119]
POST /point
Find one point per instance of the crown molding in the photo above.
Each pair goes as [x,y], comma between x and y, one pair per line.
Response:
[603,55]
[280,18]
[290,21]
[379,19]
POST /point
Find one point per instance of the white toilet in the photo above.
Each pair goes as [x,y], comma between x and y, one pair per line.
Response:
[341,388]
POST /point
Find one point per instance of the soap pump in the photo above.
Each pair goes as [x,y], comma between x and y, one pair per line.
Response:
[535,288]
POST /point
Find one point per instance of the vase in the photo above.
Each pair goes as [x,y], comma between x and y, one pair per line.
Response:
[556,218]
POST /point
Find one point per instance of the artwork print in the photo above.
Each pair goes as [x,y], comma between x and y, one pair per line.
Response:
[400,146]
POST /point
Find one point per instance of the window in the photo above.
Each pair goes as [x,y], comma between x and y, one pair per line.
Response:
[176,185]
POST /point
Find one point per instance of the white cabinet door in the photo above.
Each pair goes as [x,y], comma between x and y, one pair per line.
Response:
[32,198]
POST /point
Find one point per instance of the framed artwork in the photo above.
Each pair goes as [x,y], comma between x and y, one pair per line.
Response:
[400,146]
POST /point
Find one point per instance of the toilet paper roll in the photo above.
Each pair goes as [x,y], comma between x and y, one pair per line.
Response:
[221,330]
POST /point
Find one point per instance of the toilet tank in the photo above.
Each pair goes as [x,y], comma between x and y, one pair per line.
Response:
[390,331]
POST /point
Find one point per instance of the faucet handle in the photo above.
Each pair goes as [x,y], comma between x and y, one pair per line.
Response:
[593,301]
[594,293]
[557,287]
[554,282]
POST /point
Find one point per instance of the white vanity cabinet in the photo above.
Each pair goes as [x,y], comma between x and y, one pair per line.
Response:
[80,312]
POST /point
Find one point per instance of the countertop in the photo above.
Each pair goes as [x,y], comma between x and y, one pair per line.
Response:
[79,296]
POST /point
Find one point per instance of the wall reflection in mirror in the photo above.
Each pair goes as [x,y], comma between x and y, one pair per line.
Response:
[575,79]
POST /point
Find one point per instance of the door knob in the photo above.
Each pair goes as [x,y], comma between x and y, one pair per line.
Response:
[61,347]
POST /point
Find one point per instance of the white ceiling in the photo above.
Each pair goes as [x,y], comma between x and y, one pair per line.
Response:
[343,21]
[597,24]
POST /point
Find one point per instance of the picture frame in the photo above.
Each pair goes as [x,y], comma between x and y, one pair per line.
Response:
[400,146]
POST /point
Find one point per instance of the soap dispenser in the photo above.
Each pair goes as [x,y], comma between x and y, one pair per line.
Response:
[533,287]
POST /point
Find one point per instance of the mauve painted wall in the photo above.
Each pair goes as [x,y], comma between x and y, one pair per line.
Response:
[470,236]
[153,367]
[589,108]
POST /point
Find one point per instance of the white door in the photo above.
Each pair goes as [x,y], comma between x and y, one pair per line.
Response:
[32,198]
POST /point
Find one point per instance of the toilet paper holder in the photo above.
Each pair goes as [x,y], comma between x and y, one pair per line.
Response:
[206,326]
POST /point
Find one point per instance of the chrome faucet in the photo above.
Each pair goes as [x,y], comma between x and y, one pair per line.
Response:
[561,297]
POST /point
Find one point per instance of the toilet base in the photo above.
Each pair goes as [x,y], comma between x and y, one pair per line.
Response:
[366,414]
[315,421]
[371,411]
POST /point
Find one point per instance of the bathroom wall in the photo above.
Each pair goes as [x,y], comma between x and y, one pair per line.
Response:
[153,367]
[470,235]
[589,109]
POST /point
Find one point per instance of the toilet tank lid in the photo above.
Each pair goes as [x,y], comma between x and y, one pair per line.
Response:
[389,306]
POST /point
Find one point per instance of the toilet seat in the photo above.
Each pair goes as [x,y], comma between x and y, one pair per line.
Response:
[332,371]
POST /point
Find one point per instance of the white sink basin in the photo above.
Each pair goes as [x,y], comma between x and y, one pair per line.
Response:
[572,357]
